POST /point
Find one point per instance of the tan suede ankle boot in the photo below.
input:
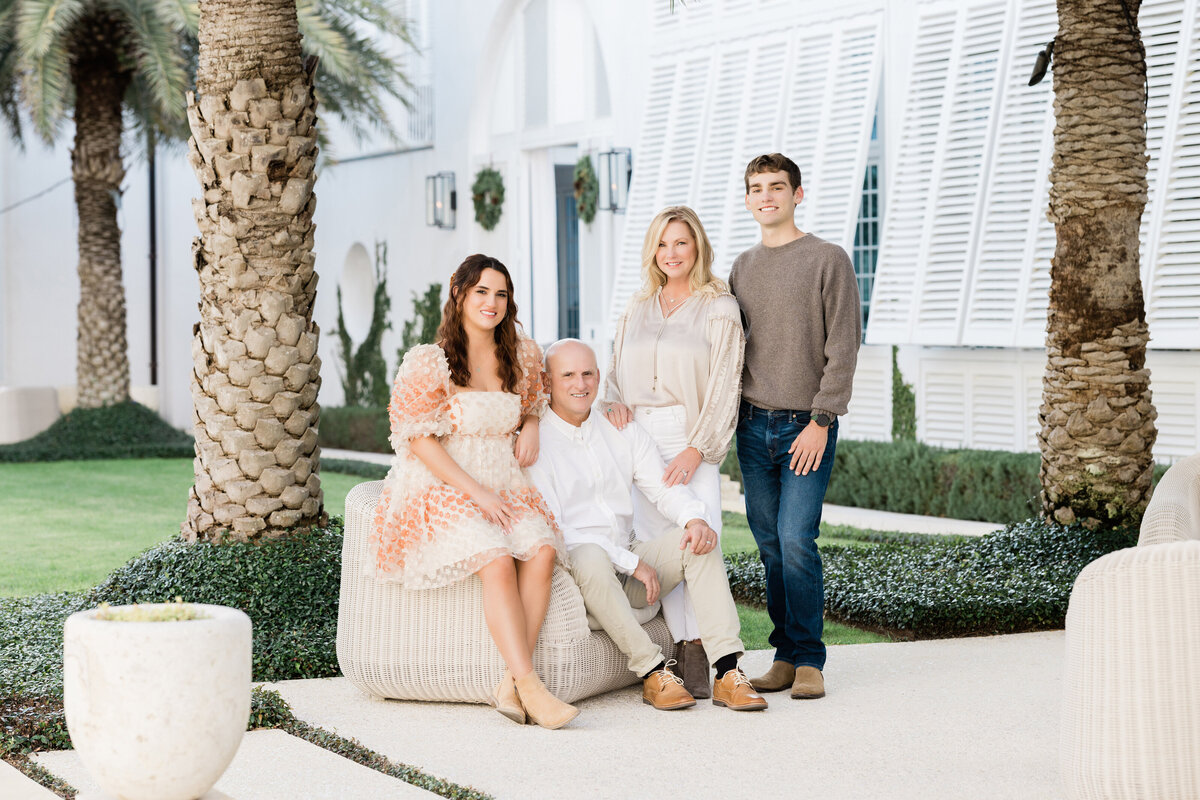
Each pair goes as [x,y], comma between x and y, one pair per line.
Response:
[541,706]
[504,699]
[777,678]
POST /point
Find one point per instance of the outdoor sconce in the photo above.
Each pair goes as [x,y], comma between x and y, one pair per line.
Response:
[616,167]
[441,200]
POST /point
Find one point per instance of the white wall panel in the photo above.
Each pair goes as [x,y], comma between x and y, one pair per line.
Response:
[870,413]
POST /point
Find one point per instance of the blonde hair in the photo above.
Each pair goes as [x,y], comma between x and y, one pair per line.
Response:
[701,278]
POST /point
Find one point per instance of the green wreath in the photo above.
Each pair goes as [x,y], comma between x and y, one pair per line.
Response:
[587,189]
[488,194]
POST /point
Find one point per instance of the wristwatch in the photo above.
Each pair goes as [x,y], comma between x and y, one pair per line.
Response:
[823,419]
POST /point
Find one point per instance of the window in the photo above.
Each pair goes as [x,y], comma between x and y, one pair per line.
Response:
[866,233]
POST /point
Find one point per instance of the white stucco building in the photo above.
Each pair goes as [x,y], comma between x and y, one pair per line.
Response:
[923,151]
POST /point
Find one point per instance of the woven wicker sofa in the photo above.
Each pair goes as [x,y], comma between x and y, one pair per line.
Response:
[1131,706]
[434,645]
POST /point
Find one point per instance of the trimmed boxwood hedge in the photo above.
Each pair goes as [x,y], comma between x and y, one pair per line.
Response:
[1018,579]
[124,430]
[355,428]
[915,478]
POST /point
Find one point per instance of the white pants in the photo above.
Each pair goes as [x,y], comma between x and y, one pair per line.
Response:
[668,427]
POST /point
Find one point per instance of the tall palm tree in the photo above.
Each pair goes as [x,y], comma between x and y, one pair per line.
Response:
[254,149]
[91,60]
[1097,418]
[95,60]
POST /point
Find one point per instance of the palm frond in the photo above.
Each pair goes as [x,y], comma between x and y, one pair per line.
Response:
[160,67]
[10,110]
[46,89]
[183,15]
[42,23]
[323,37]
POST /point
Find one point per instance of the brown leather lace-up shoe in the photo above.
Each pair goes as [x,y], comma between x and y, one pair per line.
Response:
[735,692]
[664,690]
[809,684]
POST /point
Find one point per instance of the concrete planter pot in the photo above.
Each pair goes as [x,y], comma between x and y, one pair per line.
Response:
[156,710]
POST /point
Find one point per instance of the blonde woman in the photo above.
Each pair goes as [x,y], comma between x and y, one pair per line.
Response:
[677,369]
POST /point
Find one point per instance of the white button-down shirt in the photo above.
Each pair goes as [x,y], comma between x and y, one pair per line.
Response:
[586,475]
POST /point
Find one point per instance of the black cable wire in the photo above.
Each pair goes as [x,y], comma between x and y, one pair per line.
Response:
[33,197]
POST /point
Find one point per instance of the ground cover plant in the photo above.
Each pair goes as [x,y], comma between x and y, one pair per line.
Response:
[1018,579]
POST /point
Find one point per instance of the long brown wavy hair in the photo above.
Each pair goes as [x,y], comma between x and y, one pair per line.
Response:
[452,336]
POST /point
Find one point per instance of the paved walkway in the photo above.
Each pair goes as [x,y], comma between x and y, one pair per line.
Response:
[929,720]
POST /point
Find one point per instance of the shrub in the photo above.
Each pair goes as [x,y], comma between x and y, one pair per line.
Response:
[904,404]
[363,469]
[365,429]
[124,430]
[1018,579]
[288,587]
[914,478]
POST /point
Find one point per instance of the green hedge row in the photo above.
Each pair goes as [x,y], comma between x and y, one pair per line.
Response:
[1018,579]
[915,478]
[124,430]
[355,428]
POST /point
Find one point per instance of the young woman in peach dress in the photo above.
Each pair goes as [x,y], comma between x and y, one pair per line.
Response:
[464,418]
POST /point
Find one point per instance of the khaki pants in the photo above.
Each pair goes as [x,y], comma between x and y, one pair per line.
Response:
[611,597]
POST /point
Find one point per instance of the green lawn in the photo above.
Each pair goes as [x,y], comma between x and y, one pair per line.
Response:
[64,525]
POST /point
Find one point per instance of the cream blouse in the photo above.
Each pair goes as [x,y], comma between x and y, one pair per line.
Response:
[691,358]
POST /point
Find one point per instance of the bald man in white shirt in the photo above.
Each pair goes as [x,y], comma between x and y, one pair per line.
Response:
[586,469]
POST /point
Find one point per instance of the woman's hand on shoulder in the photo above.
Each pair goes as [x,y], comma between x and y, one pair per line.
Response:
[618,414]
[527,443]
[682,467]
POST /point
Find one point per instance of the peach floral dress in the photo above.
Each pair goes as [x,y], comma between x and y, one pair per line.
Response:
[427,533]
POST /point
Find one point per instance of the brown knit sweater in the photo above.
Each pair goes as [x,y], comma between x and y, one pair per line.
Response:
[803,324]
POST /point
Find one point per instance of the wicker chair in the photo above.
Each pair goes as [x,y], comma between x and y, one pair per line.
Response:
[433,644]
[1131,710]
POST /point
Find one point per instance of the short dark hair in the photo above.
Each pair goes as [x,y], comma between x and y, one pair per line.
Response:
[773,162]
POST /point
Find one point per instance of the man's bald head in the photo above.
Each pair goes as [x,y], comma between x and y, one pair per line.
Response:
[573,377]
[573,347]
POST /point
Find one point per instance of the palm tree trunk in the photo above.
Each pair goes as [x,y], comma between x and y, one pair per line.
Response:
[1097,418]
[102,359]
[256,370]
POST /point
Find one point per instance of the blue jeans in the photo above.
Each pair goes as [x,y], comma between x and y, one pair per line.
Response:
[784,512]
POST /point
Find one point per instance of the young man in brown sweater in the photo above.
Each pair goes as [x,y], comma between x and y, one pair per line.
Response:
[800,306]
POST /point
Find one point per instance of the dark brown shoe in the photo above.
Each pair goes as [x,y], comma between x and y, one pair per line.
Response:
[780,676]
[664,690]
[809,684]
[735,692]
[694,669]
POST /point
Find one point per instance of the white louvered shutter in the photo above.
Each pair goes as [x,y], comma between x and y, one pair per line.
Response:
[942,405]
[959,175]
[1177,398]
[1173,247]
[643,188]
[910,181]
[870,413]
[1013,224]
[838,170]
[733,92]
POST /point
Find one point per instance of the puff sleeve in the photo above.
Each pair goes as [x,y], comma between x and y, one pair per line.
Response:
[420,403]
[531,388]
[714,428]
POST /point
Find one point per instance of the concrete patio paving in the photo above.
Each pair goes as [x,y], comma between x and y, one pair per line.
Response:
[949,718]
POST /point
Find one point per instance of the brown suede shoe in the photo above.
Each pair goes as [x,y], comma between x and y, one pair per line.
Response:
[777,678]
[664,690]
[734,691]
[694,669]
[809,684]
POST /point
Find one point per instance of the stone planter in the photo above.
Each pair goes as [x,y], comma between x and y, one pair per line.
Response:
[156,710]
